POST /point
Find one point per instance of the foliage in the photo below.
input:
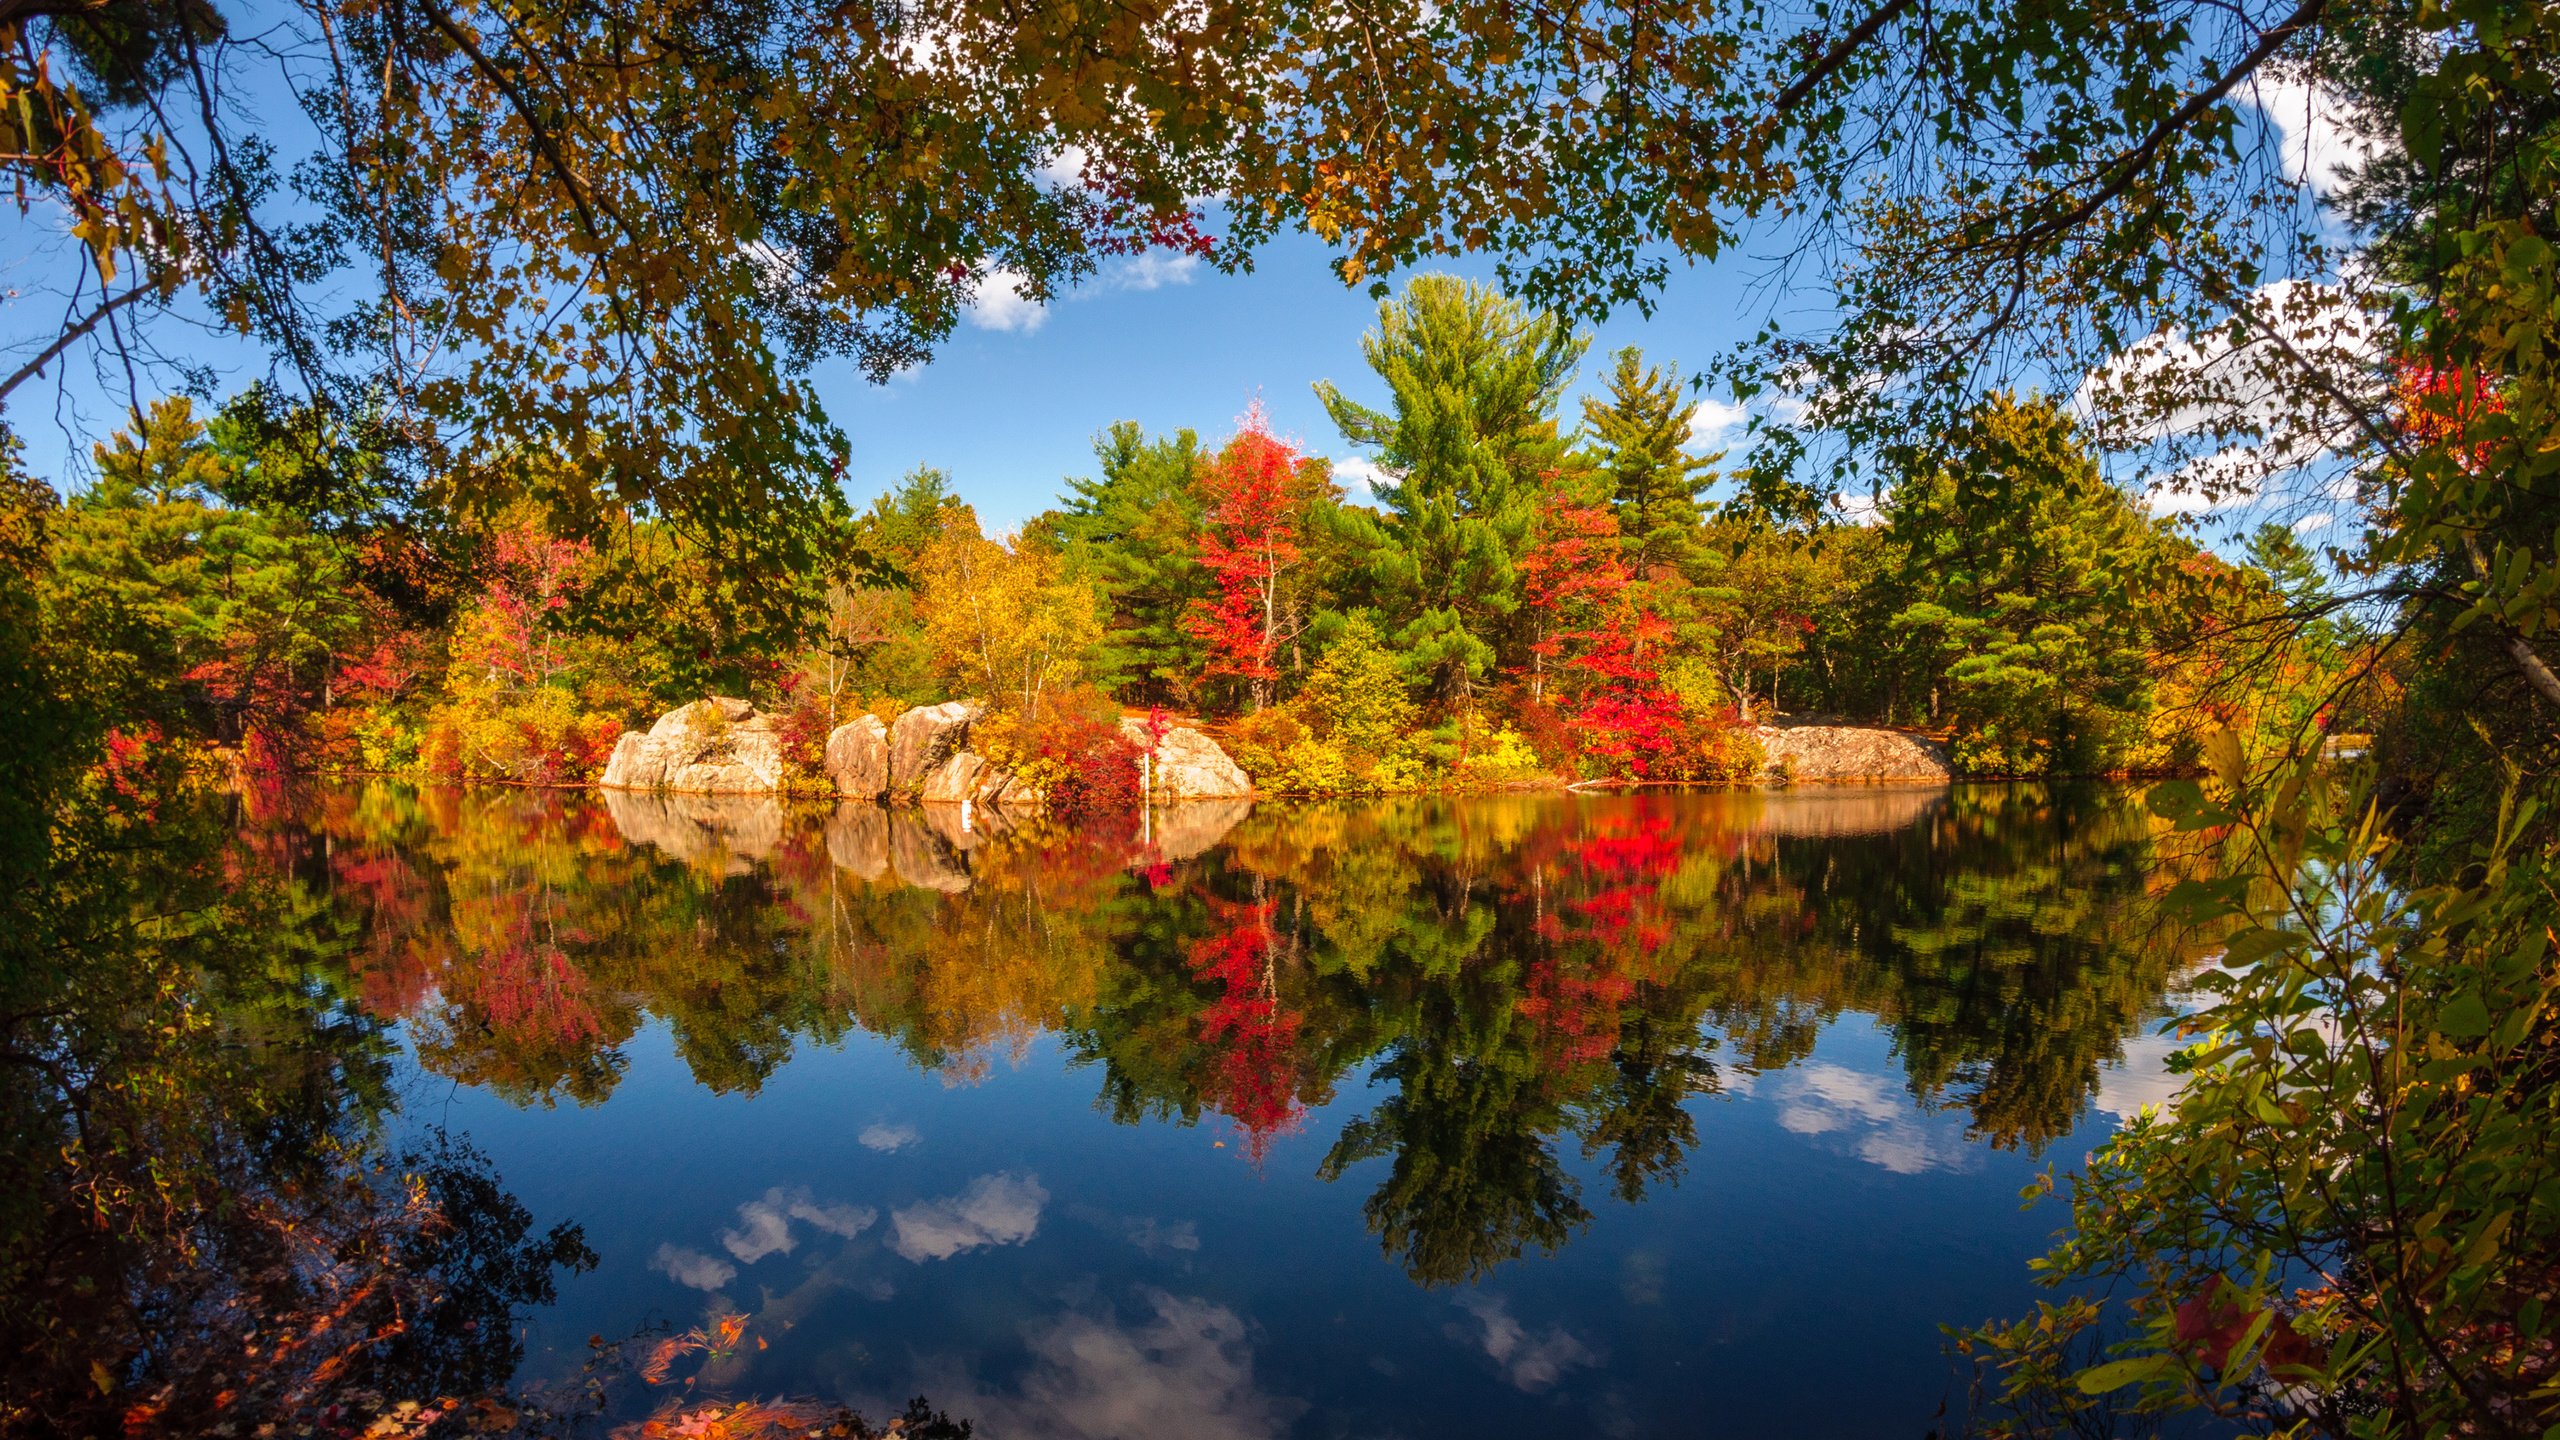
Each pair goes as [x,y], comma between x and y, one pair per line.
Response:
[2041,588]
[1474,380]
[1253,493]
[1131,535]
[1002,621]
[1350,730]
[1638,439]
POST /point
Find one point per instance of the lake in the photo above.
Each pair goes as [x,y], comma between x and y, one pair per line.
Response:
[1651,1114]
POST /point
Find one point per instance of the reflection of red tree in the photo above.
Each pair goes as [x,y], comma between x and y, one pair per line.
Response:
[1252,1076]
[532,995]
[1600,927]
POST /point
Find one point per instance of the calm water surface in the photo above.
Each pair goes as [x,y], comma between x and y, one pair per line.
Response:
[1674,1114]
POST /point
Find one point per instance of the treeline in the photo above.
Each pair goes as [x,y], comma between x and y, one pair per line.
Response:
[1511,599]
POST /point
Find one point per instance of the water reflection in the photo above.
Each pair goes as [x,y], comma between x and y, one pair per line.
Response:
[1507,979]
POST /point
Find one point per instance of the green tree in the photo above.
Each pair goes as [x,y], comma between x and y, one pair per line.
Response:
[2038,586]
[1638,440]
[1132,535]
[241,614]
[1469,444]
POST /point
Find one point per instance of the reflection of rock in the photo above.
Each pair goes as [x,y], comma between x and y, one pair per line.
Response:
[923,858]
[719,746]
[923,739]
[858,839]
[1189,765]
[1850,752]
[1182,831]
[858,758]
[727,832]
[1847,810]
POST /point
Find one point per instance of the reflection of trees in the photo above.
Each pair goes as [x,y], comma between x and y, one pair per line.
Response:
[1514,973]
[202,1231]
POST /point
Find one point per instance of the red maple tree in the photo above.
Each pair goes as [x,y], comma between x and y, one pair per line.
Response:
[1254,491]
[1594,641]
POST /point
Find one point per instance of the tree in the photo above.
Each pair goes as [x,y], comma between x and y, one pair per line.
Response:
[1638,439]
[1471,442]
[1131,534]
[2037,583]
[239,613]
[1254,492]
[1002,621]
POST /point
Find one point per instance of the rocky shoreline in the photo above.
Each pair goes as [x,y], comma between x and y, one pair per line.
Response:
[725,746]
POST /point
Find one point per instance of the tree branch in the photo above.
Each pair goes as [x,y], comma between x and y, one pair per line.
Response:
[1838,55]
[71,336]
[2120,174]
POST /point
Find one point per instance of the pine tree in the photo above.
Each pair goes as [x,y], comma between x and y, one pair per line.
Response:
[1132,536]
[1470,443]
[2039,586]
[1637,439]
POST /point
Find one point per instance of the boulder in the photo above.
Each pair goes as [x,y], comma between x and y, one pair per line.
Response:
[719,746]
[858,758]
[1189,765]
[923,739]
[954,780]
[1835,753]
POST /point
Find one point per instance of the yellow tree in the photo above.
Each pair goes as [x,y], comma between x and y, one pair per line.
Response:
[1002,619]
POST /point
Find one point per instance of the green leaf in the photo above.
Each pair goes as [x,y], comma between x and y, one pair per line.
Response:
[2117,1374]
[2464,1017]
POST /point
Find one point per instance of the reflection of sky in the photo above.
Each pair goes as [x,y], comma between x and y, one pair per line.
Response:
[1052,1273]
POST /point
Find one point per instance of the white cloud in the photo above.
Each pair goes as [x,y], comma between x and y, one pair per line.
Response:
[1002,304]
[994,1210]
[1150,271]
[1640,1277]
[1886,1129]
[887,1138]
[2227,415]
[1531,1364]
[1185,1374]
[765,1231]
[1713,420]
[1066,168]
[2321,146]
[1360,478]
[1865,510]
[692,1268]
[2309,523]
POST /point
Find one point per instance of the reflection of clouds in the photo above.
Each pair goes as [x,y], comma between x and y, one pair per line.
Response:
[693,1268]
[888,1138]
[1187,1374]
[1530,1364]
[2141,1078]
[1144,1231]
[765,1225]
[994,1210]
[1640,1277]
[1827,1099]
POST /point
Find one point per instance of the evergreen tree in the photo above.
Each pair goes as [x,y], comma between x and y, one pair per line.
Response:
[1132,536]
[2040,591]
[1636,439]
[1470,442]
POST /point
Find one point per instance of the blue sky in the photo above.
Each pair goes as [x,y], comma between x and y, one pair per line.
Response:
[1011,403]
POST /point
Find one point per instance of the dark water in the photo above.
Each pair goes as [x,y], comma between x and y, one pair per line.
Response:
[1655,1115]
